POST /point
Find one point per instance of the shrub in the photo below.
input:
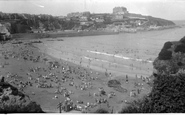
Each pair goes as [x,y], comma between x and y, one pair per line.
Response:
[180,48]
[5,98]
[116,85]
[182,40]
[170,66]
[180,64]
[165,54]
[101,110]
[167,96]
[16,101]
[32,107]
[138,106]
[113,83]
[167,45]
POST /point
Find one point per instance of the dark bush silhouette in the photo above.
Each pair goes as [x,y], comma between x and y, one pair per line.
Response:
[116,85]
[180,64]
[113,83]
[183,40]
[32,107]
[101,110]
[165,54]
[16,101]
[167,45]
[167,96]
[180,48]
[139,106]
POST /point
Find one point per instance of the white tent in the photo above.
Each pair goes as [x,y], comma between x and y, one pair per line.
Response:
[4,30]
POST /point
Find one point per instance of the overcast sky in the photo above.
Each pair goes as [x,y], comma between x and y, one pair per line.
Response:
[167,9]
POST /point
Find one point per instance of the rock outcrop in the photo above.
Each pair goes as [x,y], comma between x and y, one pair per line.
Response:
[14,101]
[171,59]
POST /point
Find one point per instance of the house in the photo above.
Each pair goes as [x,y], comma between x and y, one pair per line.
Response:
[98,18]
[68,19]
[83,18]
[117,17]
[86,23]
[38,30]
[118,23]
[75,18]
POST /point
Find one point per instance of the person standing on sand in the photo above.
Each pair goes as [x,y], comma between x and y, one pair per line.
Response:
[80,61]
[126,79]
[2,79]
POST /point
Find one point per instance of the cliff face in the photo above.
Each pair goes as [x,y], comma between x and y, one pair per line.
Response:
[171,59]
[159,22]
[153,20]
[14,101]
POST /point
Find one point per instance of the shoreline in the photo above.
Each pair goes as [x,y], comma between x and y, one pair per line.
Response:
[61,34]
[71,33]
[116,69]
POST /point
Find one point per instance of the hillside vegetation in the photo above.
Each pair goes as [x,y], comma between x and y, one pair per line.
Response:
[14,101]
[26,23]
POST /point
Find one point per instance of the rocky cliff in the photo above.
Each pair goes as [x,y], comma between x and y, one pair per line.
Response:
[14,101]
[171,59]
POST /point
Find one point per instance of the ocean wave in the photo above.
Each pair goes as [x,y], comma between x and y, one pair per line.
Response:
[119,56]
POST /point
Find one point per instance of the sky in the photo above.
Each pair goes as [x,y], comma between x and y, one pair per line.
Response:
[167,9]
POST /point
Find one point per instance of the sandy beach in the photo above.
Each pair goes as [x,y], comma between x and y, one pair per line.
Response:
[80,68]
[119,54]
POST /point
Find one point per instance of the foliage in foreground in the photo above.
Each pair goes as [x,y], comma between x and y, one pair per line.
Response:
[14,101]
[165,54]
[101,110]
[167,96]
[32,107]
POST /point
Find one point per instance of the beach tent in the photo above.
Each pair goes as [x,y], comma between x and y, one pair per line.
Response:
[4,33]
[3,29]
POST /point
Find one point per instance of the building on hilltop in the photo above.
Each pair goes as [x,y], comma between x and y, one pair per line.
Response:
[87,14]
[120,10]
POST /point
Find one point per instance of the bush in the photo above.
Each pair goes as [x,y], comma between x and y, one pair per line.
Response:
[182,40]
[165,54]
[116,85]
[16,101]
[167,45]
[167,96]
[180,48]
[139,106]
[32,107]
[170,66]
[101,110]
[113,83]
